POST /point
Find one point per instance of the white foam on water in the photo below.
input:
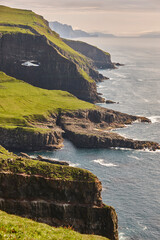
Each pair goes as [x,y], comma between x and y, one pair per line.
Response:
[73,164]
[134,157]
[104,189]
[146,100]
[120,75]
[142,226]
[101,162]
[122,236]
[30,64]
[140,80]
[154,119]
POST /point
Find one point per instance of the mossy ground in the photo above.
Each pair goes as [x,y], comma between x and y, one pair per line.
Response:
[17,17]
[10,162]
[22,103]
[13,227]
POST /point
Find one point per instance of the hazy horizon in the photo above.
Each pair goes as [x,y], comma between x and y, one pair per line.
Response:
[121,17]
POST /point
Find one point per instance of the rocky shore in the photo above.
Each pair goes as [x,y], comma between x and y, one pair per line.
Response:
[85,128]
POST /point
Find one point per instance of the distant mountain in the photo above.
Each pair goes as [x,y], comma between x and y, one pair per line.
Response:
[151,35]
[66,31]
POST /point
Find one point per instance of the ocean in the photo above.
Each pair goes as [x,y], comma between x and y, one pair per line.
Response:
[130,178]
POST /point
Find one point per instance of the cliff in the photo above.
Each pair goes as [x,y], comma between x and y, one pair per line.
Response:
[46,67]
[99,58]
[32,52]
[39,119]
[15,227]
[54,194]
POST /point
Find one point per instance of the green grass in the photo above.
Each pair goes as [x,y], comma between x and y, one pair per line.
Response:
[7,29]
[13,227]
[28,18]
[21,103]
[10,162]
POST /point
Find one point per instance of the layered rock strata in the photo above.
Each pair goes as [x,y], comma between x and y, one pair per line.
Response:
[29,139]
[100,59]
[36,60]
[58,202]
[92,129]
[85,128]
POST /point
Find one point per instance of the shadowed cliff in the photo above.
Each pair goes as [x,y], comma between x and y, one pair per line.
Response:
[56,195]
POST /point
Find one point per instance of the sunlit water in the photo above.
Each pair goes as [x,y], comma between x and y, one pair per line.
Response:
[130,178]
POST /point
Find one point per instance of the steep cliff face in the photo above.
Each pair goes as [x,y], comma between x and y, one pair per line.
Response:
[100,59]
[56,195]
[92,129]
[29,139]
[85,128]
[33,59]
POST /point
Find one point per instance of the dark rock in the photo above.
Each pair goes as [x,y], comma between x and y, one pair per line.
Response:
[25,155]
[91,129]
[100,59]
[29,139]
[53,71]
[110,102]
[59,203]
[118,64]
[42,159]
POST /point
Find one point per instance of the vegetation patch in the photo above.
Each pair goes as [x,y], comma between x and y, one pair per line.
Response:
[10,162]
[13,227]
[28,18]
[22,103]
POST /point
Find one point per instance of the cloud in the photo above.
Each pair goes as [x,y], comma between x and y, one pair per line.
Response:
[88,5]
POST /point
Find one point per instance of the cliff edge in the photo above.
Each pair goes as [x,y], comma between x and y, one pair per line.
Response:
[32,52]
[100,59]
[56,195]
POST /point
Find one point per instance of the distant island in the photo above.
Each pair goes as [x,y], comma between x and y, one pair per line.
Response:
[67,31]
[150,35]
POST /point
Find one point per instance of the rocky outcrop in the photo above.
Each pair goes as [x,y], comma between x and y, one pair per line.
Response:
[85,128]
[100,59]
[58,202]
[29,139]
[35,60]
[92,129]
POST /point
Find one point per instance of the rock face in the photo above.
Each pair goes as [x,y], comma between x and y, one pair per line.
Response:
[35,60]
[92,129]
[59,203]
[85,128]
[28,139]
[100,58]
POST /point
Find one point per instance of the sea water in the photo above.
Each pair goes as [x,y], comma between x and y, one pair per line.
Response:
[130,178]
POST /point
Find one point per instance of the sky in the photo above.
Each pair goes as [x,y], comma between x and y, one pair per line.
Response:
[120,17]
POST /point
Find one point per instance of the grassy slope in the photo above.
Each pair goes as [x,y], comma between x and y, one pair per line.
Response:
[87,43]
[20,101]
[29,18]
[10,162]
[13,227]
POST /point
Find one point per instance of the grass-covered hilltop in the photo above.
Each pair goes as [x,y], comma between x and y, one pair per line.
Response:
[42,57]
[21,103]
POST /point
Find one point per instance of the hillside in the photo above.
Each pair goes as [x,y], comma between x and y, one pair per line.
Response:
[32,52]
[53,194]
[101,59]
[13,227]
[21,103]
